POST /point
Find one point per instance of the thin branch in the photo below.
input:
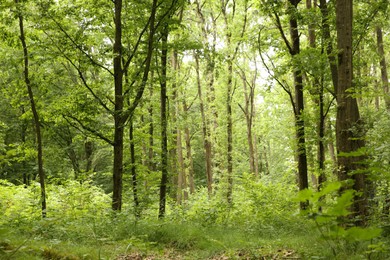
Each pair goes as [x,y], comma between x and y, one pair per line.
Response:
[243,110]
[286,89]
[86,128]
[80,48]
[81,76]
[127,63]
[329,105]
[148,60]
[280,28]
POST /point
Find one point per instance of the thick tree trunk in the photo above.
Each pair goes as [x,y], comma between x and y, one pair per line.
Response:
[348,125]
[383,64]
[37,123]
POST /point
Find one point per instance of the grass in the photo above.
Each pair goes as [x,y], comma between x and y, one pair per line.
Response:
[79,226]
[49,239]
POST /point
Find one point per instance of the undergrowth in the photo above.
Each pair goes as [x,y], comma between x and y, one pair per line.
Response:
[261,223]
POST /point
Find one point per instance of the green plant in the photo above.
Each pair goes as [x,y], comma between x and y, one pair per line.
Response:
[330,212]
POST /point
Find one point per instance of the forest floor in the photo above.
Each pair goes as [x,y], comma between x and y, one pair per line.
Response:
[169,242]
[155,240]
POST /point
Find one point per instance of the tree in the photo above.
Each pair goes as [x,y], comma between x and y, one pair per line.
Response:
[383,66]
[37,123]
[297,102]
[348,122]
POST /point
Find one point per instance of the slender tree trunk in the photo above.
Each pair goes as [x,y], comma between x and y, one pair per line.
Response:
[176,111]
[189,161]
[121,116]
[348,123]
[118,114]
[133,168]
[229,129]
[150,162]
[321,137]
[73,158]
[299,104]
[205,131]
[164,123]
[229,120]
[24,126]
[209,29]
[328,42]
[37,123]
[88,148]
[319,85]
[383,64]
[248,111]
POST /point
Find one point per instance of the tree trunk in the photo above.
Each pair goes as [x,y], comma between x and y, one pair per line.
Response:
[229,120]
[299,104]
[118,113]
[248,110]
[88,148]
[189,161]
[37,123]
[133,168]
[348,136]
[176,111]
[150,150]
[328,42]
[164,123]
[205,131]
[384,75]
[209,29]
[319,85]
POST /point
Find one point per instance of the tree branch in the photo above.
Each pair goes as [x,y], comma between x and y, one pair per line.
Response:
[286,89]
[86,128]
[94,62]
[280,28]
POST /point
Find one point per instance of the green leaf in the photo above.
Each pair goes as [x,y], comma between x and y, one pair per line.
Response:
[362,234]
[341,208]
[304,195]
[331,187]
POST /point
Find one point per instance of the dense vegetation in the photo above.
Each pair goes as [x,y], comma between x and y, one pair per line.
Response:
[194,129]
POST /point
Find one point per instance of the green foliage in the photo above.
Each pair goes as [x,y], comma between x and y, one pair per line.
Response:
[331,211]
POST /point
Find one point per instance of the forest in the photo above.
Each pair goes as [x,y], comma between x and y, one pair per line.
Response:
[194,129]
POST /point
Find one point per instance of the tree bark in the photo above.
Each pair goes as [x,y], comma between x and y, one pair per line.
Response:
[383,64]
[248,110]
[205,131]
[121,116]
[133,168]
[164,123]
[229,120]
[118,113]
[37,123]
[348,125]
[189,161]
[328,42]
[299,103]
